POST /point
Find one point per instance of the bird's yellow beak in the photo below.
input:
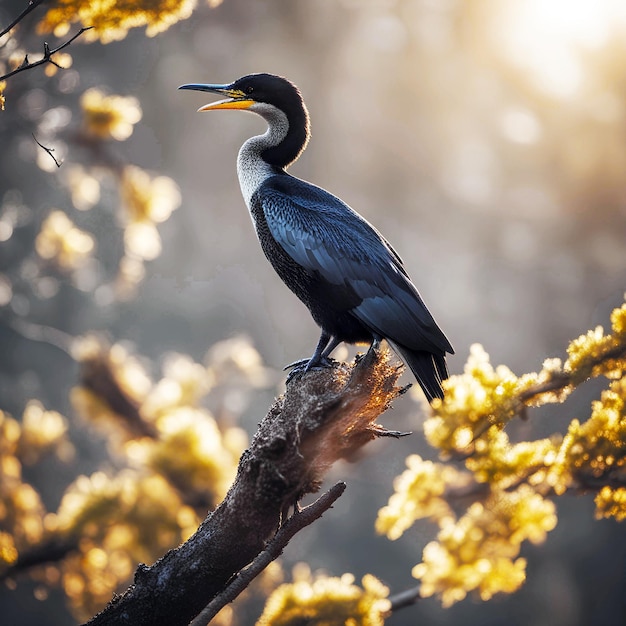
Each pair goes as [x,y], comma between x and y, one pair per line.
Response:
[236,99]
[227,104]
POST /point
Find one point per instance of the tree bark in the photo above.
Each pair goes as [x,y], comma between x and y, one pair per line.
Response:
[323,416]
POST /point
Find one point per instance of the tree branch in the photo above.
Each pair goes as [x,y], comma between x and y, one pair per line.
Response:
[52,550]
[47,55]
[299,520]
[32,4]
[49,151]
[323,416]
[560,381]
[404,598]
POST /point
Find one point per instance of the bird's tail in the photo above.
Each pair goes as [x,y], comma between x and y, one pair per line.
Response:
[429,369]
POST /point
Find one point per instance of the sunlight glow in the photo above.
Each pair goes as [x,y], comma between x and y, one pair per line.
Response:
[547,38]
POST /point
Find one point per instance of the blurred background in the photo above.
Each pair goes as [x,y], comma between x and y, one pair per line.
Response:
[485,138]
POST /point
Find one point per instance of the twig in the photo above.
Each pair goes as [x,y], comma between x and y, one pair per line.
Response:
[49,151]
[47,55]
[404,598]
[41,333]
[52,550]
[32,4]
[299,520]
[561,380]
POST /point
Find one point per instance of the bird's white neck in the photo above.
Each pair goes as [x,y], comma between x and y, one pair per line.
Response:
[252,169]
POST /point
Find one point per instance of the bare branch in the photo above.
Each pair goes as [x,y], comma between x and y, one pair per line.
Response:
[32,4]
[49,151]
[404,598]
[323,416]
[51,550]
[299,520]
[47,55]
[560,381]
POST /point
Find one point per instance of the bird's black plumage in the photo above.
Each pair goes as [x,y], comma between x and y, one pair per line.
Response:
[346,273]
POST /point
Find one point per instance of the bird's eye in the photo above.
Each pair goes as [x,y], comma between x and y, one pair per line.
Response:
[249,89]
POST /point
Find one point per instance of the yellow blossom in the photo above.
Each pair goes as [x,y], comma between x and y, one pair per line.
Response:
[419,494]
[482,396]
[84,187]
[8,551]
[184,383]
[113,387]
[41,431]
[190,453]
[106,117]
[595,353]
[146,201]
[497,462]
[611,502]
[478,552]
[112,19]
[327,601]
[61,242]
[122,520]
[147,198]
[3,86]
[596,449]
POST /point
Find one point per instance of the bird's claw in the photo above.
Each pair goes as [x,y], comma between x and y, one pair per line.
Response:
[304,365]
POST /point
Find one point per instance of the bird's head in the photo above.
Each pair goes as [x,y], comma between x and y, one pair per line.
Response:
[267,95]
[245,92]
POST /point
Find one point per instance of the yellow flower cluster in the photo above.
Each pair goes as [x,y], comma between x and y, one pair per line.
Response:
[112,19]
[420,493]
[62,243]
[596,354]
[43,432]
[187,445]
[497,462]
[509,482]
[180,458]
[3,86]
[21,510]
[114,383]
[109,117]
[147,201]
[482,396]
[83,185]
[120,521]
[611,502]
[192,452]
[327,601]
[594,452]
[480,550]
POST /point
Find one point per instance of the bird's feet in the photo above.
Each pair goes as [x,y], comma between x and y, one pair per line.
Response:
[306,365]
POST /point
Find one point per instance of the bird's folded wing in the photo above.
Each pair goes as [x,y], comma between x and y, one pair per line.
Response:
[325,236]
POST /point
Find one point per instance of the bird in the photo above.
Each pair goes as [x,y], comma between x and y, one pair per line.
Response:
[347,274]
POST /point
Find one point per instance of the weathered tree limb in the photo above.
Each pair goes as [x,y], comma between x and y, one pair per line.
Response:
[323,416]
[299,520]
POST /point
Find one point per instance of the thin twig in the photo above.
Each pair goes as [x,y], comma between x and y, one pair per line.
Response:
[47,55]
[404,598]
[42,333]
[32,4]
[299,520]
[49,151]
[559,381]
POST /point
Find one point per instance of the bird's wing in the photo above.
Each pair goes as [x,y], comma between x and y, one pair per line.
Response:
[325,236]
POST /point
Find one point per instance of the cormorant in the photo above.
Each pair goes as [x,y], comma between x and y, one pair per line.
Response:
[347,274]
